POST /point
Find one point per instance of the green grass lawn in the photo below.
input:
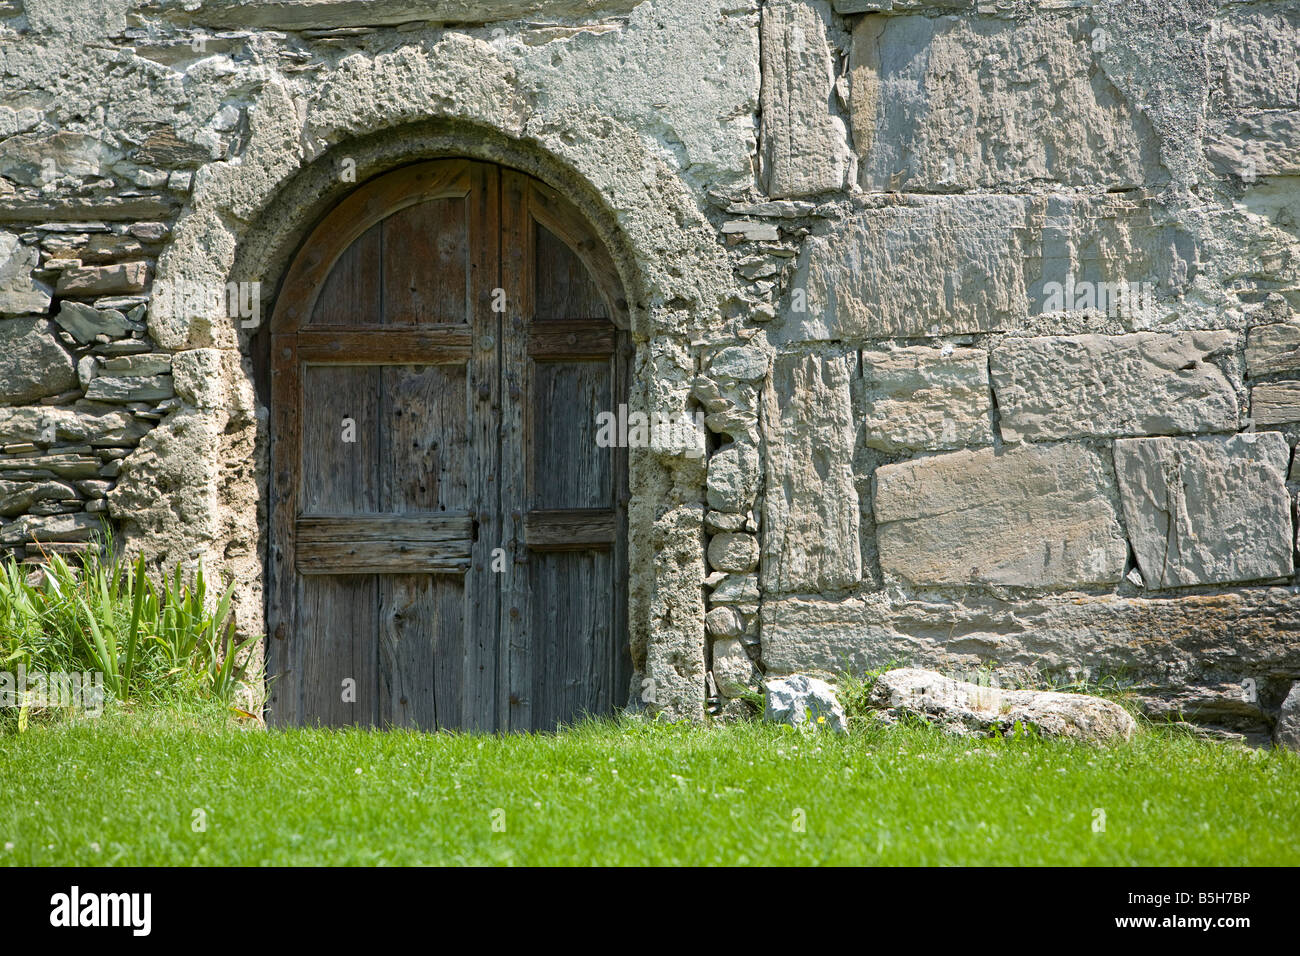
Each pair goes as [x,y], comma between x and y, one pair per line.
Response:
[125,790]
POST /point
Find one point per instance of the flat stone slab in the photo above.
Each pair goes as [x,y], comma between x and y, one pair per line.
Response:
[1032,516]
[925,398]
[1211,510]
[1146,383]
[967,709]
[1275,403]
[1273,348]
[811,516]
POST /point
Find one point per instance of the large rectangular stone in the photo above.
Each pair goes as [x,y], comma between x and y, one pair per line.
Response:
[804,149]
[1032,516]
[925,398]
[811,517]
[948,103]
[1211,510]
[1103,386]
[931,266]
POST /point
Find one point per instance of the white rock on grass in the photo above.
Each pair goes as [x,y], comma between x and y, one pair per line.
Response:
[969,709]
[798,700]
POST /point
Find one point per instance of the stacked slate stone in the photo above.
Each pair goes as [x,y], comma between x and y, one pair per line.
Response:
[81,383]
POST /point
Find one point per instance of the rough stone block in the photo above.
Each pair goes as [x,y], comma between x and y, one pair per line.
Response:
[84,322]
[803,143]
[20,293]
[960,103]
[1211,510]
[733,672]
[920,397]
[1033,516]
[115,279]
[951,265]
[810,522]
[1273,348]
[963,708]
[1105,386]
[96,425]
[733,477]
[32,363]
[735,553]
[1275,403]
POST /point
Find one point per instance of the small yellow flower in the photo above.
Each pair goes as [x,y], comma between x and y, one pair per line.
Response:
[821,720]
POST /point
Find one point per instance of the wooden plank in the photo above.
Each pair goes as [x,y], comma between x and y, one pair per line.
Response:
[426,263]
[352,295]
[564,287]
[422,637]
[621,665]
[561,218]
[518,259]
[424,461]
[384,347]
[340,440]
[571,529]
[572,677]
[337,628]
[384,544]
[284,689]
[373,528]
[482,584]
[572,339]
[568,468]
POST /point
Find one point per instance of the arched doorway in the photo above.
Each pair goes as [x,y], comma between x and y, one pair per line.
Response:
[447,538]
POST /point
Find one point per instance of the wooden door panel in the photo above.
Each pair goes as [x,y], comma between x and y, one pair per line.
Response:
[426,464]
[422,648]
[338,628]
[352,295]
[340,439]
[426,263]
[567,468]
[564,287]
[573,673]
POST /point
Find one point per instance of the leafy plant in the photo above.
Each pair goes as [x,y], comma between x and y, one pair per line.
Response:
[150,642]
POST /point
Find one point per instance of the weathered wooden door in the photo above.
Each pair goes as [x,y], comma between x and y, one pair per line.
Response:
[448,540]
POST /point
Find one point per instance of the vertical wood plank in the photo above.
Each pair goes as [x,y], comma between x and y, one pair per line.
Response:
[284,699]
[337,624]
[427,267]
[568,469]
[422,648]
[483,401]
[518,258]
[564,287]
[351,294]
[425,439]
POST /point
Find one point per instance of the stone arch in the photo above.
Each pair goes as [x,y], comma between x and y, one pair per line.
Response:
[248,216]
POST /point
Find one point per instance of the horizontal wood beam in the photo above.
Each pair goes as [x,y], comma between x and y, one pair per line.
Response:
[572,338]
[384,544]
[449,346]
[571,529]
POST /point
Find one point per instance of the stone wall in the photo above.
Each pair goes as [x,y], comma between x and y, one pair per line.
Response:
[988,306]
